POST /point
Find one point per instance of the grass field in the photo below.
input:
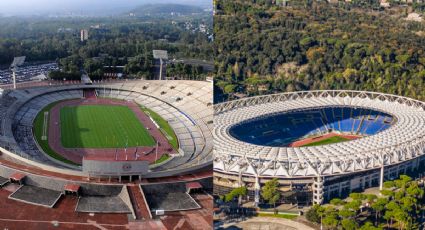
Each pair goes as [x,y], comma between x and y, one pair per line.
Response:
[161,159]
[165,127]
[102,126]
[38,132]
[327,141]
[285,216]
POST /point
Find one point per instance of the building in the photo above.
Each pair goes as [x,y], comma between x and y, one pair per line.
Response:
[260,138]
[84,35]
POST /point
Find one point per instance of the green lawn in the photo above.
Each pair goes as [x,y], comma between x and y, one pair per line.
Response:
[330,140]
[38,132]
[162,159]
[165,127]
[285,216]
[102,126]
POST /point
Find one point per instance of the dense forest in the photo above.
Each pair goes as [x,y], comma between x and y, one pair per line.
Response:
[114,41]
[263,48]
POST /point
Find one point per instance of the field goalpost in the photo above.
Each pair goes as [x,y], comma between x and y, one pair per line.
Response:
[45,125]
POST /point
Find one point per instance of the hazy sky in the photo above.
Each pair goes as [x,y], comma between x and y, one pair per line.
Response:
[20,7]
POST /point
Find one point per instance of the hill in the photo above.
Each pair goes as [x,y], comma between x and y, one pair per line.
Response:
[166,9]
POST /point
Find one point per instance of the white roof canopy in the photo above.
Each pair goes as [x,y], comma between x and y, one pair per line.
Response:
[404,140]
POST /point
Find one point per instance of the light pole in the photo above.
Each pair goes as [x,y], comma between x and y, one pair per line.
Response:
[17,61]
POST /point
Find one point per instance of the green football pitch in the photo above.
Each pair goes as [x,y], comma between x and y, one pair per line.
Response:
[102,126]
[327,141]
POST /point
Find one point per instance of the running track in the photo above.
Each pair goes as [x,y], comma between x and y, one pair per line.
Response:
[316,139]
[107,154]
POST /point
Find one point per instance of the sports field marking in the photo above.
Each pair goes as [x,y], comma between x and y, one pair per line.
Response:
[45,125]
[164,127]
[166,134]
[327,141]
[102,126]
[38,133]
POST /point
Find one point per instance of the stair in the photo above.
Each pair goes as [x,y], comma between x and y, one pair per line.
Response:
[139,205]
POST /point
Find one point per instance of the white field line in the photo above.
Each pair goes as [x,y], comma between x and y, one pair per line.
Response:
[45,125]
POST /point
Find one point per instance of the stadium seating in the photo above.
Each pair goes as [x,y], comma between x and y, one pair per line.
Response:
[186,105]
[111,199]
[285,128]
[168,197]
[36,195]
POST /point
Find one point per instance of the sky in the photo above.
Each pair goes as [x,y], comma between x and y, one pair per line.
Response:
[37,7]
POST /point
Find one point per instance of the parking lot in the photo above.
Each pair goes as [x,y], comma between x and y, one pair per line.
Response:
[25,73]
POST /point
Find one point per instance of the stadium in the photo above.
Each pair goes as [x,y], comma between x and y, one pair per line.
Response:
[319,144]
[124,150]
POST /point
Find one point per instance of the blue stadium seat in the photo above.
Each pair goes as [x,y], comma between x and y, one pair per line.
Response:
[284,129]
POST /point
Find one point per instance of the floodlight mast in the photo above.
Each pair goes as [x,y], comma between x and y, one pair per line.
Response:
[14,77]
[17,61]
[160,69]
[161,55]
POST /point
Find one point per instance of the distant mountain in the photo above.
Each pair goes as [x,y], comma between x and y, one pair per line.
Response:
[85,7]
[162,9]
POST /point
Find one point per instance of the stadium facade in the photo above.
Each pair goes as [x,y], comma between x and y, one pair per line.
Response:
[255,141]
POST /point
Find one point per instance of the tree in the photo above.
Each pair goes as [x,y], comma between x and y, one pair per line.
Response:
[315,213]
[349,224]
[229,89]
[415,191]
[337,201]
[357,196]
[403,181]
[402,217]
[371,197]
[270,191]
[331,218]
[346,213]
[379,207]
[401,208]
[247,44]
[236,192]
[389,184]
[353,205]
[387,192]
[369,226]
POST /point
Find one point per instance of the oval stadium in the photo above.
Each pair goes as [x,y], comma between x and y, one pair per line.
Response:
[124,150]
[319,144]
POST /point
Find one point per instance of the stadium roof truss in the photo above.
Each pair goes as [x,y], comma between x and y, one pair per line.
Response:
[403,141]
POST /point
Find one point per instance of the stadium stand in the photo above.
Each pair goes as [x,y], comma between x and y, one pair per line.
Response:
[3,181]
[186,105]
[24,121]
[110,199]
[282,129]
[168,197]
[36,195]
[388,141]
[91,195]
[99,204]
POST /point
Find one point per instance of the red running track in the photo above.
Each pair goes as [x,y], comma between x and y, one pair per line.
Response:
[316,139]
[107,154]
